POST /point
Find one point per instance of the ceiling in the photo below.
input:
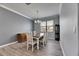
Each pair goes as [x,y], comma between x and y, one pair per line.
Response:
[45,9]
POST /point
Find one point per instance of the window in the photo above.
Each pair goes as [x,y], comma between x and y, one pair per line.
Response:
[43,26]
[50,26]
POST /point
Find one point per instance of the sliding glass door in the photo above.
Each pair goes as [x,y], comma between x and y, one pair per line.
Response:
[48,27]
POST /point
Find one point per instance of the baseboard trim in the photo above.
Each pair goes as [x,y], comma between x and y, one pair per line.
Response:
[8,44]
[62,49]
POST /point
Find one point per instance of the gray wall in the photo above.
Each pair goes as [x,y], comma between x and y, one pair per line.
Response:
[56,20]
[11,24]
[37,27]
[78,29]
[69,29]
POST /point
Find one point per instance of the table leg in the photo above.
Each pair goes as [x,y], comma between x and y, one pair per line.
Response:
[38,44]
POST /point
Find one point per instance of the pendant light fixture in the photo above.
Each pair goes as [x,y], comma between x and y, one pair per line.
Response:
[37,19]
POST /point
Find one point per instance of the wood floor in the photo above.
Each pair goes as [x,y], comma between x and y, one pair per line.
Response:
[19,49]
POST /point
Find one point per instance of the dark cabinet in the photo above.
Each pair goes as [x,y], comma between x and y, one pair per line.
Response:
[57,32]
[21,37]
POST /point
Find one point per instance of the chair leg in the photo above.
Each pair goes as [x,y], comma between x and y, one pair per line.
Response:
[27,46]
[43,44]
[32,48]
[38,44]
[37,47]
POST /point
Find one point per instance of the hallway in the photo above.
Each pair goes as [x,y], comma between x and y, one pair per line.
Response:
[19,49]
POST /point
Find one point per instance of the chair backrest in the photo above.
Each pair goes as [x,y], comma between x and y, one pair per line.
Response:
[34,33]
[41,34]
[41,37]
[29,37]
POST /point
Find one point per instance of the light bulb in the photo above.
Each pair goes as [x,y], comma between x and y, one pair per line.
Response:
[35,21]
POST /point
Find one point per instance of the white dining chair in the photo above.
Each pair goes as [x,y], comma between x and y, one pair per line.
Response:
[43,39]
[31,41]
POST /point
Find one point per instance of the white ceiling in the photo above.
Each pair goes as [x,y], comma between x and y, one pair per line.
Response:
[45,9]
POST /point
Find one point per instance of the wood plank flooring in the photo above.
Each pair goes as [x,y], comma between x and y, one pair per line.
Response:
[19,49]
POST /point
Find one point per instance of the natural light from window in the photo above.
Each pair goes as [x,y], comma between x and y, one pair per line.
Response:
[49,26]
